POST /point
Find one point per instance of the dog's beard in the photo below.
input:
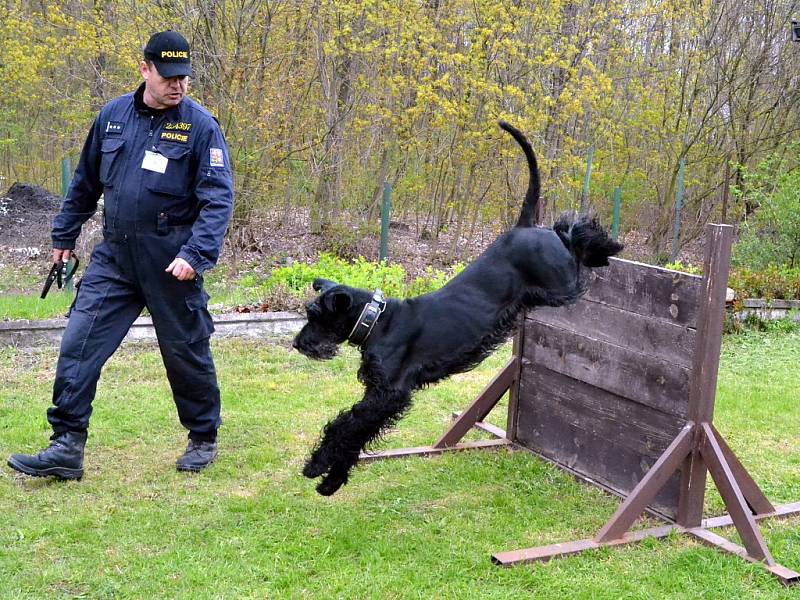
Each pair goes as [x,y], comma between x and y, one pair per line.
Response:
[319,351]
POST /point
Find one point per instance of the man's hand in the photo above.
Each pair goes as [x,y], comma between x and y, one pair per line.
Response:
[180,269]
[61,255]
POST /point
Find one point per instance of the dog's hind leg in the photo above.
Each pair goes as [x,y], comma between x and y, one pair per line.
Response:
[344,437]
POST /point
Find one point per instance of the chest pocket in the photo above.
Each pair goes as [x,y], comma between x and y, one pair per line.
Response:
[110,160]
[176,180]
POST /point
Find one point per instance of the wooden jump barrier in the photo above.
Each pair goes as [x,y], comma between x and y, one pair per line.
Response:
[619,390]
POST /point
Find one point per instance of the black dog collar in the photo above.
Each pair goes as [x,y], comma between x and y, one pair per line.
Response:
[366,321]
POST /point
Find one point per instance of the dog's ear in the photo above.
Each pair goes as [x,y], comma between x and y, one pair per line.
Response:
[338,301]
[320,284]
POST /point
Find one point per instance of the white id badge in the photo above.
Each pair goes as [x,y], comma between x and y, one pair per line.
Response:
[153,161]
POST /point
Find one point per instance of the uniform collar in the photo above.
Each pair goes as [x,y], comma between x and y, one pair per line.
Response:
[139,104]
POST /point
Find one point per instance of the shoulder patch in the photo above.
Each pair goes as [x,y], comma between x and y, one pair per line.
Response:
[216,157]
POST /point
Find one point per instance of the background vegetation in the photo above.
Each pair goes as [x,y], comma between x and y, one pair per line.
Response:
[323,100]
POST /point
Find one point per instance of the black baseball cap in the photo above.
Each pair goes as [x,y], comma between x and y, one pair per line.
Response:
[169,52]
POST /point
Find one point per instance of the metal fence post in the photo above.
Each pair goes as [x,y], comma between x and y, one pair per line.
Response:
[66,175]
[386,210]
[587,179]
[676,230]
[615,214]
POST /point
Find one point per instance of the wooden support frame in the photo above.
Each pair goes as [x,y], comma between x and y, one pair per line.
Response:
[696,450]
[471,417]
[700,449]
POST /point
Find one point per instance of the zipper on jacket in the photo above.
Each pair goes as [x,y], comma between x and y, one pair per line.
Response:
[150,133]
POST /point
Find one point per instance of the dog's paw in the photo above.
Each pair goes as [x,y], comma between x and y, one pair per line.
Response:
[330,484]
[314,468]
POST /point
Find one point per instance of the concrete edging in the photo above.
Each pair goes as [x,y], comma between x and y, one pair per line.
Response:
[769,310]
[28,334]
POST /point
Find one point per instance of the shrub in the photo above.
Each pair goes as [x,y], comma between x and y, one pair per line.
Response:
[684,268]
[390,278]
[770,283]
[771,235]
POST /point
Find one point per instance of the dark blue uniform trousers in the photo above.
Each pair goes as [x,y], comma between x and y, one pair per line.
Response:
[126,274]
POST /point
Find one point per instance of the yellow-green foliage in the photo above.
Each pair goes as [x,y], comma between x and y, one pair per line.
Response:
[323,100]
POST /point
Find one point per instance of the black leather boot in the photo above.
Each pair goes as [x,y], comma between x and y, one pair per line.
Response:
[63,458]
[198,455]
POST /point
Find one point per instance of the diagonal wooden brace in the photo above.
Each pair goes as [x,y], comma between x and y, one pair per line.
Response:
[481,406]
[648,487]
[731,493]
[755,498]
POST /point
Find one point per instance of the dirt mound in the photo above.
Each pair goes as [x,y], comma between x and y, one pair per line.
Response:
[27,197]
[26,214]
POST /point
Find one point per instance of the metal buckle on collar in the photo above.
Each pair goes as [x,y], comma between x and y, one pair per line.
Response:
[61,272]
[367,319]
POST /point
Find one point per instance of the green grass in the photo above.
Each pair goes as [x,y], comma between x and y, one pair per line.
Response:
[19,299]
[252,527]
[29,306]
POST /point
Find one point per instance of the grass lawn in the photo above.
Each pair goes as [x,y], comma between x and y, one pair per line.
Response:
[28,305]
[253,527]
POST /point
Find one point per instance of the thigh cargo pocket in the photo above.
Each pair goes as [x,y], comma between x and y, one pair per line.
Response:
[201,324]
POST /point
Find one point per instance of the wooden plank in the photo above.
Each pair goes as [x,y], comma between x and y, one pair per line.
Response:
[513,393]
[647,290]
[641,378]
[712,315]
[545,553]
[430,450]
[486,427]
[482,405]
[703,382]
[597,434]
[786,576]
[645,335]
[782,511]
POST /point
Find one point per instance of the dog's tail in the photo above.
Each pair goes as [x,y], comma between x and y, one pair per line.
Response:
[583,235]
[528,215]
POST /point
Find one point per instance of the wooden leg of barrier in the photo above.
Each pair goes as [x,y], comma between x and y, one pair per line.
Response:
[481,406]
[737,488]
[785,576]
[734,499]
[758,502]
[471,417]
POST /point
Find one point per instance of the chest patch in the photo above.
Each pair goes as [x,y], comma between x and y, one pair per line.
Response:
[174,136]
[115,127]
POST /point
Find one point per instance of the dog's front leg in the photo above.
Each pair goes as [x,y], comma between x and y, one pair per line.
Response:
[344,437]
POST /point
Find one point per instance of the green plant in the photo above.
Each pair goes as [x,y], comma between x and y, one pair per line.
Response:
[432,280]
[771,235]
[390,278]
[772,282]
[678,265]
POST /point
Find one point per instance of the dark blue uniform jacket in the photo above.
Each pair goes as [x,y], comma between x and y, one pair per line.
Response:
[195,188]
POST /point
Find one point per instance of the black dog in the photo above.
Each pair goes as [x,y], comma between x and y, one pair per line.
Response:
[407,344]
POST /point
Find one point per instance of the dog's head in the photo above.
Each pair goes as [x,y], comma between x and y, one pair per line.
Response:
[331,317]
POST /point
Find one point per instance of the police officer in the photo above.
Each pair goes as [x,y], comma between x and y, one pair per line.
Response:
[160,161]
